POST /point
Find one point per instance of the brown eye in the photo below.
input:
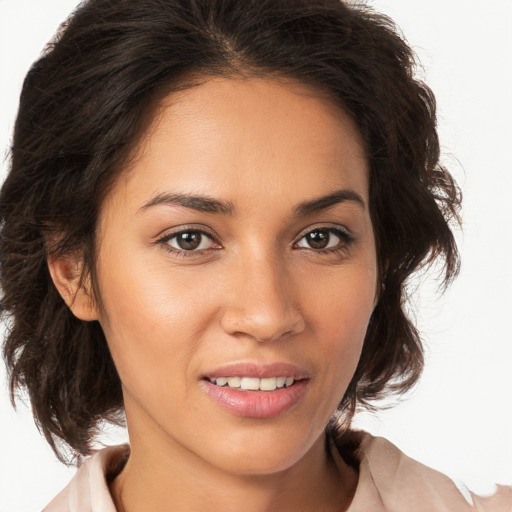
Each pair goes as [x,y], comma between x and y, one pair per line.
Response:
[325,238]
[318,239]
[190,241]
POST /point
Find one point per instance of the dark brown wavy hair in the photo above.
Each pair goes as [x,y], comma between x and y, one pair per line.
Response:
[85,104]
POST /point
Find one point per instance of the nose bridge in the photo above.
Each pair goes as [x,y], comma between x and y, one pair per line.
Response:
[263,304]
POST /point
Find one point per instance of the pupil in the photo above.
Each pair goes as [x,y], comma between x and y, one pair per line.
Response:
[189,241]
[318,239]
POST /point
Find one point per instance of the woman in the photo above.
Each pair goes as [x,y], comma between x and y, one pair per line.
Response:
[211,213]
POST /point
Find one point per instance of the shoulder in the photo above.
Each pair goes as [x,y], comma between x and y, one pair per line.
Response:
[389,480]
[88,490]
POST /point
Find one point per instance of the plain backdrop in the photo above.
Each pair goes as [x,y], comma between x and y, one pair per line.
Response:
[459,419]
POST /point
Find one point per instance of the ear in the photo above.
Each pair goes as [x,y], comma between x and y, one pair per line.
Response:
[66,274]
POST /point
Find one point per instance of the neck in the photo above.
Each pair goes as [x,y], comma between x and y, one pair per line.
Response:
[162,477]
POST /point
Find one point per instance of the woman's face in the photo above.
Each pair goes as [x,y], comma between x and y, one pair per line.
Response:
[238,250]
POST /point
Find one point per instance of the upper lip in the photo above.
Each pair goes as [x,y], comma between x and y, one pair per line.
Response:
[257,370]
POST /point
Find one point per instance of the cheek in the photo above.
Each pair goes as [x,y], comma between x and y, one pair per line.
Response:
[152,323]
[343,300]
[342,309]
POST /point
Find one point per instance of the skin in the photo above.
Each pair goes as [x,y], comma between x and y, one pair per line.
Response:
[255,290]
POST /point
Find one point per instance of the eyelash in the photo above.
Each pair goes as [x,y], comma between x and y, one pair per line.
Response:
[345,237]
[346,240]
[164,241]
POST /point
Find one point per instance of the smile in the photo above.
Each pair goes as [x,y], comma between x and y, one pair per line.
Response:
[253,383]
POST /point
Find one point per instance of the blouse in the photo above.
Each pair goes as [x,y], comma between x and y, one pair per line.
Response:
[389,481]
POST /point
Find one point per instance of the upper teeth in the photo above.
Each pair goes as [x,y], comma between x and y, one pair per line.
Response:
[253,383]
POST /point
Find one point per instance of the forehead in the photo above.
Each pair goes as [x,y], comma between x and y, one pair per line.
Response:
[247,136]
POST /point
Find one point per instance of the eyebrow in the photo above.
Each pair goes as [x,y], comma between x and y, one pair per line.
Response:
[195,202]
[210,205]
[324,202]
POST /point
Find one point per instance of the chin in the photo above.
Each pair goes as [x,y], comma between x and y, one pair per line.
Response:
[262,454]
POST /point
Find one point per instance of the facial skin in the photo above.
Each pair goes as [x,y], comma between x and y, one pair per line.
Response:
[254,291]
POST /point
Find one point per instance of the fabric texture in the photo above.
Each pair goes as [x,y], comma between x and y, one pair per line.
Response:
[389,481]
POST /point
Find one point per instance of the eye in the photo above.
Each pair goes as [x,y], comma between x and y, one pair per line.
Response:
[324,239]
[189,241]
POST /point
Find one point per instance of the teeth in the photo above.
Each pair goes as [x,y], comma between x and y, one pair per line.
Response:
[234,382]
[268,384]
[253,383]
[250,383]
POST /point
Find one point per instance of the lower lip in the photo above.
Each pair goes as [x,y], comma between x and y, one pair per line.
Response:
[257,404]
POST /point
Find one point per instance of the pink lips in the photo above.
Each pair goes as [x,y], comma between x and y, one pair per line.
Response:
[260,371]
[257,404]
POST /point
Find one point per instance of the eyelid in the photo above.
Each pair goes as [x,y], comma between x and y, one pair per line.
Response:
[336,228]
[198,228]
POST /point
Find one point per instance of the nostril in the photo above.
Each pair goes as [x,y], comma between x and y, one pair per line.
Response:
[262,329]
[274,337]
[262,308]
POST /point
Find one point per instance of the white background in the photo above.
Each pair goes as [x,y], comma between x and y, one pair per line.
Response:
[459,419]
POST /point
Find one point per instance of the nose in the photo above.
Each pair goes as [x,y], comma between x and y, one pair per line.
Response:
[262,303]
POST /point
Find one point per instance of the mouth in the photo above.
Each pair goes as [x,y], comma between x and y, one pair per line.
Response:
[258,391]
[254,383]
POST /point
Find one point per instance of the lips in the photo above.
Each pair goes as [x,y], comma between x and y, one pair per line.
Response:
[256,370]
[256,391]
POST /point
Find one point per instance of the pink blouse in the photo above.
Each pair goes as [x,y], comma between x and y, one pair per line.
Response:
[389,481]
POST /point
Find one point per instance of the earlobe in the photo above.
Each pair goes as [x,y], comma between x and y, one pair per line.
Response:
[66,274]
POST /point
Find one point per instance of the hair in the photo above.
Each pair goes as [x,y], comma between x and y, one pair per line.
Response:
[84,106]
